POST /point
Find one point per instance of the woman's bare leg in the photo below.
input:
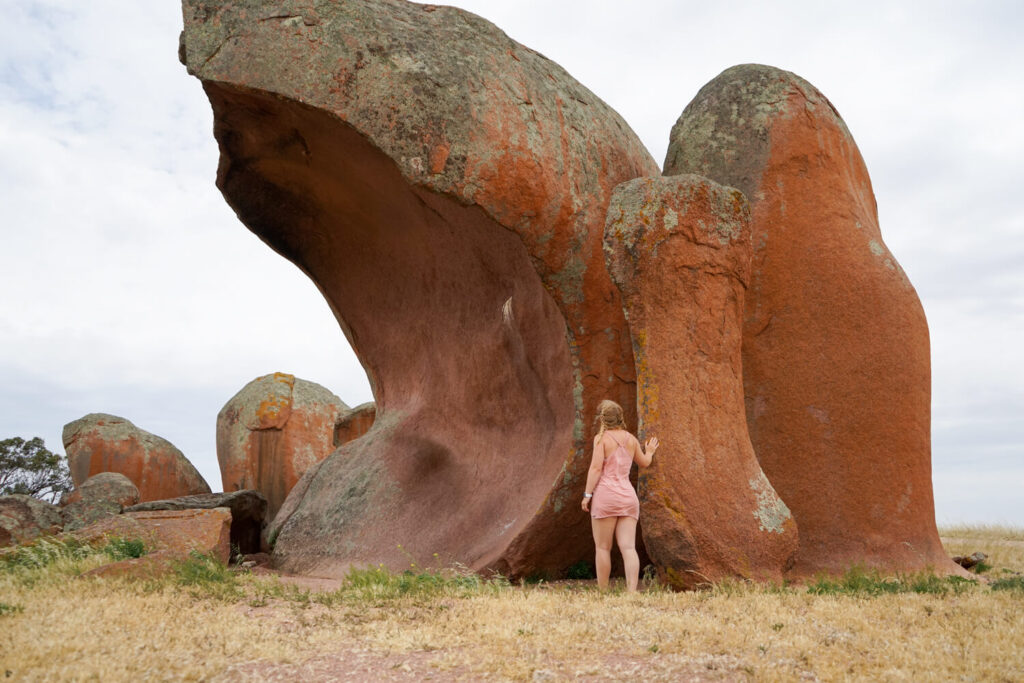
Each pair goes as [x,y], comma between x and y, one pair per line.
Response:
[604,532]
[625,538]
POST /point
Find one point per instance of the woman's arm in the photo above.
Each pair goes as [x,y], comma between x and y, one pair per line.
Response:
[643,457]
[596,466]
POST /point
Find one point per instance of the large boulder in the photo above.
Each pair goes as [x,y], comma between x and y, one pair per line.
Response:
[248,513]
[445,188]
[99,496]
[835,343]
[106,443]
[272,431]
[679,250]
[24,518]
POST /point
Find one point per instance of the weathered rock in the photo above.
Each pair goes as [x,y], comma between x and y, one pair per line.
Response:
[111,487]
[178,531]
[24,518]
[272,431]
[354,423]
[248,513]
[445,187]
[970,561]
[835,342]
[679,251]
[99,496]
[106,443]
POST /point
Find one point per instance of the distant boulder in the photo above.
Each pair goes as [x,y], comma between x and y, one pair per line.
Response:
[99,496]
[272,431]
[354,423]
[24,518]
[106,443]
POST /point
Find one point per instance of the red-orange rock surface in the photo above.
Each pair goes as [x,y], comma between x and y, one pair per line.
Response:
[679,250]
[106,443]
[354,423]
[177,531]
[99,496]
[24,518]
[272,431]
[835,342]
[445,187]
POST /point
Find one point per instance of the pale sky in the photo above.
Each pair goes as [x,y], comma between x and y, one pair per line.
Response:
[129,286]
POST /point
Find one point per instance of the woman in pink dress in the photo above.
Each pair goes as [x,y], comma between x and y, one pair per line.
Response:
[616,509]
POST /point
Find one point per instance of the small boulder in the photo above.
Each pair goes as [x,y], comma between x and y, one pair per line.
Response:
[24,518]
[106,443]
[970,561]
[272,431]
[99,496]
[352,424]
[178,531]
[248,513]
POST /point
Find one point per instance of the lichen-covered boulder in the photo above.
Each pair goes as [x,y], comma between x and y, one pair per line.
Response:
[179,531]
[835,343]
[446,188]
[106,443]
[248,513]
[679,250]
[24,518]
[272,431]
[99,496]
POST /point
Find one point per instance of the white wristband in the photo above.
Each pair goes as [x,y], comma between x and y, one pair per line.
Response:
[588,495]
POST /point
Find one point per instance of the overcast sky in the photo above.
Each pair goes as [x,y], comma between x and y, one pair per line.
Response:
[129,287]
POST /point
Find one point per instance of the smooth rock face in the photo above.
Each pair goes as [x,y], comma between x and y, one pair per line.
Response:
[445,187]
[248,513]
[24,518]
[679,250]
[272,431]
[106,443]
[353,424]
[835,343]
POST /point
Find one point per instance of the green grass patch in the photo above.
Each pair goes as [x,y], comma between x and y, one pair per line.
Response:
[1009,583]
[858,581]
[9,608]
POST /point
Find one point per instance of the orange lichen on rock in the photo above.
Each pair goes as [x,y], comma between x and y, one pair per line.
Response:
[835,343]
[272,431]
[679,250]
[106,443]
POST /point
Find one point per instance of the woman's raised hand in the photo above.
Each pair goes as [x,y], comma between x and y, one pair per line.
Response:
[651,445]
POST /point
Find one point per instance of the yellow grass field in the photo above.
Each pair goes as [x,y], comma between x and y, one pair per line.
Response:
[205,623]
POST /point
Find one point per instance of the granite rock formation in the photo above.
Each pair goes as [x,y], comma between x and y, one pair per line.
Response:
[272,431]
[24,518]
[106,443]
[679,250]
[835,343]
[445,187]
[248,513]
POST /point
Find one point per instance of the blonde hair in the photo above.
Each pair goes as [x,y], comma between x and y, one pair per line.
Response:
[609,416]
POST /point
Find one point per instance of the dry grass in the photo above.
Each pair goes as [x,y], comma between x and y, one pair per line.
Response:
[203,624]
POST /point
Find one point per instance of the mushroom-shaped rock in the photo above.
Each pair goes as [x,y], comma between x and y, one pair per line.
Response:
[679,250]
[99,496]
[24,518]
[248,513]
[272,431]
[106,443]
[445,187]
[835,343]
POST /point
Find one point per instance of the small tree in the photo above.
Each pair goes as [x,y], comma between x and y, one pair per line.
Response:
[28,467]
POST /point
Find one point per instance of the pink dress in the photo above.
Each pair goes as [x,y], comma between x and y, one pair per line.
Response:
[614,495]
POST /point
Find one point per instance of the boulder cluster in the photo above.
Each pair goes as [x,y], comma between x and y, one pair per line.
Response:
[503,253]
[129,483]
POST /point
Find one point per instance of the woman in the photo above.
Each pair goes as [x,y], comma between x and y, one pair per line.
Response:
[616,509]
